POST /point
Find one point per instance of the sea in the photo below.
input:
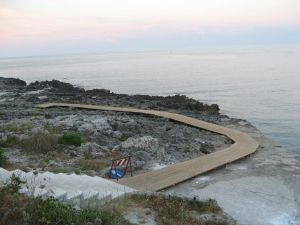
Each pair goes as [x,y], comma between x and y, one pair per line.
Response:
[258,83]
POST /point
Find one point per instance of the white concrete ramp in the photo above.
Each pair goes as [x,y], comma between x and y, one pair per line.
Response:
[76,190]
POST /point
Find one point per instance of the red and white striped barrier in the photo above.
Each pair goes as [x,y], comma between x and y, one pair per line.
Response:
[122,162]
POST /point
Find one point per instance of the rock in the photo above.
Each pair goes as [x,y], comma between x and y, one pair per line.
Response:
[92,150]
[32,99]
[117,134]
[54,163]
[98,92]
[146,143]
[73,153]
[47,116]
[142,156]
[206,148]
[39,130]
[161,153]
[67,122]
[56,86]
[214,108]
[138,165]
[140,216]
[87,129]
[12,82]
[43,97]
[102,125]
[22,137]
[213,218]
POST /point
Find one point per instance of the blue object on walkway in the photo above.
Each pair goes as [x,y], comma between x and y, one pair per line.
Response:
[116,173]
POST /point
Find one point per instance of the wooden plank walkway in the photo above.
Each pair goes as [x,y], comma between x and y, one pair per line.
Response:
[163,178]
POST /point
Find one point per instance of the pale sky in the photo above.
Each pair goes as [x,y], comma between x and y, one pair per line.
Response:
[41,27]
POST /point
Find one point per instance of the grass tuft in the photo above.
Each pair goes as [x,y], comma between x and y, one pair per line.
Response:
[41,143]
[91,164]
[16,127]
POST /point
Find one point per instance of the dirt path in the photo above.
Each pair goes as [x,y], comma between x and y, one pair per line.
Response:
[160,179]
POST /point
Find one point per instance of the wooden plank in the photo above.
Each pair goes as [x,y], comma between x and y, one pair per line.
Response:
[160,179]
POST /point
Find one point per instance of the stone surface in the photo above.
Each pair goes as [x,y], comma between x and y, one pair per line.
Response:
[262,189]
[117,134]
[140,216]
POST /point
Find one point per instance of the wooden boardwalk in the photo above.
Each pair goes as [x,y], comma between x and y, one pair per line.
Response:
[163,178]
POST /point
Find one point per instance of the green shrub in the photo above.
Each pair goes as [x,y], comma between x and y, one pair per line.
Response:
[54,212]
[18,209]
[41,143]
[70,139]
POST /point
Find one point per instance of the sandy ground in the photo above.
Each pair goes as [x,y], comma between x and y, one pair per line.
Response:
[263,189]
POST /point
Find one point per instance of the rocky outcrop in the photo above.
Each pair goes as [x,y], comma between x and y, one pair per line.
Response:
[5,83]
[58,90]
[55,86]
[106,135]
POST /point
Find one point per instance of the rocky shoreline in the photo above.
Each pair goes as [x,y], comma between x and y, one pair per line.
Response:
[152,142]
[262,189]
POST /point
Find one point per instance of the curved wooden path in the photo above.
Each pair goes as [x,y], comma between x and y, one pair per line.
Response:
[163,178]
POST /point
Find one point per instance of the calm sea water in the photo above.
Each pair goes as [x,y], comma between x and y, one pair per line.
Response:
[260,84]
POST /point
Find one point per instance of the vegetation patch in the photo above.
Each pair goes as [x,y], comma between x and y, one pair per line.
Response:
[2,158]
[168,210]
[41,143]
[70,139]
[60,170]
[18,209]
[91,164]
[15,127]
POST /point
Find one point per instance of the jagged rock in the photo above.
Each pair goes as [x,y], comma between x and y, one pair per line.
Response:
[213,218]
[92,150]
[117,134]
[98,92]
[66,122]
[11,82]
[22,137]
[206,148]
[140,216]
[145,143]
[39,130]
[138,165]
[142,156]
[56,85]
[102,125]
[161,153]
[87,128]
